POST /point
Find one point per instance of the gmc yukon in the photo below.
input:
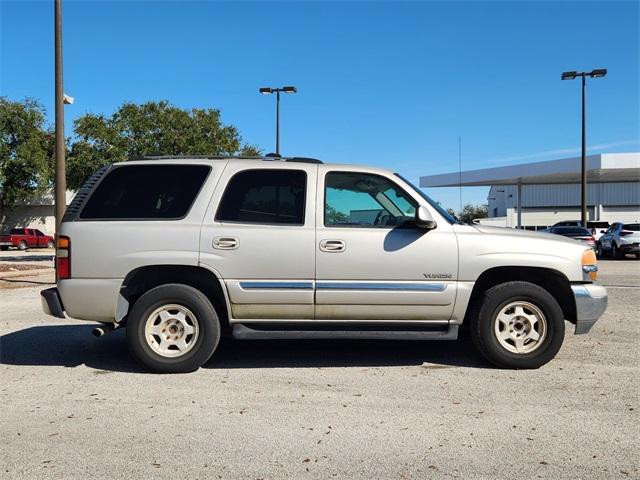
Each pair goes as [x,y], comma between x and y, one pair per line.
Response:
[182,251]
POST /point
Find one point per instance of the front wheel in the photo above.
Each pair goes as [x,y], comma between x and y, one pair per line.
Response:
[50,244]
[173,328]
[22,245]
[518,325]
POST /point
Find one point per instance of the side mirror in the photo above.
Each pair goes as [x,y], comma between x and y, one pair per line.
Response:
[424,219]
[603,231]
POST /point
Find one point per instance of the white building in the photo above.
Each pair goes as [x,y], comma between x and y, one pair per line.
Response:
[540,194]
[36,213]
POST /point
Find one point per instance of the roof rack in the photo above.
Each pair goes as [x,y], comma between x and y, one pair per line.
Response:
[303,160]
[199,157]
[266,158]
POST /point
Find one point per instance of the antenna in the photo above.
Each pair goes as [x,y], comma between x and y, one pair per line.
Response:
[460,170]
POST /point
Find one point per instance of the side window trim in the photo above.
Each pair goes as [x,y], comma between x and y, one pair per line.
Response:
[246,222]
[377,227]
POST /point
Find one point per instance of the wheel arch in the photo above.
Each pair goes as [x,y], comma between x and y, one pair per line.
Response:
[553,281]
[143,279]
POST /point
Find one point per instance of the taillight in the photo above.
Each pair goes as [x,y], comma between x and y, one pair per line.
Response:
[63,257]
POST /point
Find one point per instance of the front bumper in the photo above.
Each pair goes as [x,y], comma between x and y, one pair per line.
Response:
[591,303]
[51,303]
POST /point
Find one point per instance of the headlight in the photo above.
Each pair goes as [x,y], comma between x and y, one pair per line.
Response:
[589,265]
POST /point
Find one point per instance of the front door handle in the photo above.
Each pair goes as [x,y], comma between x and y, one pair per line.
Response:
[333,246]
[225,243]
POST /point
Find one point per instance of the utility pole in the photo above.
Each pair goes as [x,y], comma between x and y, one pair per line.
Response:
[60,183]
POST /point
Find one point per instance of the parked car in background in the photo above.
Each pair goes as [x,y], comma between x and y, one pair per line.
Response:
[23,238]
[619,240]
[581,234]
[596,228]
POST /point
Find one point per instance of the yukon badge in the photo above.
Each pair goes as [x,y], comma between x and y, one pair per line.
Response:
[438,276]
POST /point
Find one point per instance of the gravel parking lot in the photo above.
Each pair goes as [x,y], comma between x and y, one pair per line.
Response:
[75,406]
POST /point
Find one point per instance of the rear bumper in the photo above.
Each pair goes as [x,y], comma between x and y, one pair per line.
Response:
[51,303]
[591,302]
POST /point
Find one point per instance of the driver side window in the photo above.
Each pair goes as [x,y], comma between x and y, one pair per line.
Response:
[365,200]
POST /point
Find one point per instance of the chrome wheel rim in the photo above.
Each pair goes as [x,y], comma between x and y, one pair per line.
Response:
[171,330]
[520,327]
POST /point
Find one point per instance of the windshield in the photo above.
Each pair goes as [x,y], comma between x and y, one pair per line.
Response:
[448,217]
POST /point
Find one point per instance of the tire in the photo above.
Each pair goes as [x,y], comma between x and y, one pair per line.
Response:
[535,303]
[161,309]
[4,249]
[50,244]
[599,250]
[22,245]
[615,252]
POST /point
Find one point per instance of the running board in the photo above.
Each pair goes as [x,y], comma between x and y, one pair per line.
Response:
[244,332]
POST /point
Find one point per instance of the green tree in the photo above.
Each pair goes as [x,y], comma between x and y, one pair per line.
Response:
[470,213]
[332,215]
[152,128]
[26,152]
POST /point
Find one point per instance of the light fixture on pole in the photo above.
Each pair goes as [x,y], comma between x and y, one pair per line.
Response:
[270,90]
[598,73]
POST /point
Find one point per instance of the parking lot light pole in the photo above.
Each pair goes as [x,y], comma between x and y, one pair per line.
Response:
[269,90]
[600,72]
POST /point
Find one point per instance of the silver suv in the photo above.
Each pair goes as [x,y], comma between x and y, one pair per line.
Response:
[184,251]
[619,240]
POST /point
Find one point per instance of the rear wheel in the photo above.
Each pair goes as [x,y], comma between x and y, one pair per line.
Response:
[22,245]
[518,325]
[50,244]
[173,328]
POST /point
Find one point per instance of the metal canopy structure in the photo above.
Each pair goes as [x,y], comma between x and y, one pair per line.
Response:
[601,168]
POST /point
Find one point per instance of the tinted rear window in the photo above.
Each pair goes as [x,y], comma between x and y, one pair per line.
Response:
[265,196]
[146,192]
[598,224]
[634,227]
[17,231]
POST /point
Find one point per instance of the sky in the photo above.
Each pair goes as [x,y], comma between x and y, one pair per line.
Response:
[390,84]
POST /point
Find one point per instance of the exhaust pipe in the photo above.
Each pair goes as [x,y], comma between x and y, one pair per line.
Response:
[104,329]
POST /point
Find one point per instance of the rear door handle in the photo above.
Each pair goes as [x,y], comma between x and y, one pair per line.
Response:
[333,246]
[225,243]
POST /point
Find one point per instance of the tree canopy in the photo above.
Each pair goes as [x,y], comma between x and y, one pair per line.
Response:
[152,128]
[470,213]
[26,152]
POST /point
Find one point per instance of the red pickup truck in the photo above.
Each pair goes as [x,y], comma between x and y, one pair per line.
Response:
[23,238]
